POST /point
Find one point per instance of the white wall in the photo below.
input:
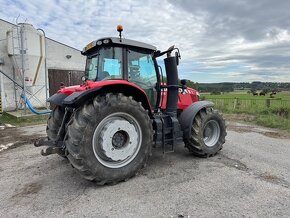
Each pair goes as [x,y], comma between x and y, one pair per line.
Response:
[56,59]
[6,86]
[56,56]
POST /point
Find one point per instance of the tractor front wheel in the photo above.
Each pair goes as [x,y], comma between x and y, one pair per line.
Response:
[109,139]
[208,133]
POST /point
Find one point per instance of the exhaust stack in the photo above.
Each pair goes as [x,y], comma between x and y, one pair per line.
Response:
[172,84]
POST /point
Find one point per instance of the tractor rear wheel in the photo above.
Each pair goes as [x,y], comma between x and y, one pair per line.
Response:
[109,139]
[54,123]
[208,133]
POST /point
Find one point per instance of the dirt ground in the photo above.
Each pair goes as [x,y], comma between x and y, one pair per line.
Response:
[250,177]
[12,137]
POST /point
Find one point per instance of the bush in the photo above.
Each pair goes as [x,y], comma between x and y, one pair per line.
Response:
[215,93]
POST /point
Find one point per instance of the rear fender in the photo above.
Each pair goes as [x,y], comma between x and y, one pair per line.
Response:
[57,99]
[77,99]
[187,116]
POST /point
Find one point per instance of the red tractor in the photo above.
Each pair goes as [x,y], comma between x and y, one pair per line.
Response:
[106,127]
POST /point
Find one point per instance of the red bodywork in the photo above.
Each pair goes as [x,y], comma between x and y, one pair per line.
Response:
[91,85]
[185,98]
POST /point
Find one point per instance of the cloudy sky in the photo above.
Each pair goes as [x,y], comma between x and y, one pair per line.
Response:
[220,41]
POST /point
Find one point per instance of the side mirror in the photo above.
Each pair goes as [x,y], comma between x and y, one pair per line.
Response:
[84,78]
[62,85]
[183,82]
[177,58]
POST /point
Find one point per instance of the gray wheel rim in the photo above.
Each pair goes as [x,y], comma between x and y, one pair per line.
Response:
[117,140]
[211,133]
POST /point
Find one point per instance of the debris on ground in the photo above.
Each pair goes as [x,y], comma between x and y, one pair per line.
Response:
[5,126]
[11,137]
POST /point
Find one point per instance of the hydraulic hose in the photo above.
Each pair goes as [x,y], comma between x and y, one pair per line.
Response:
[31,108]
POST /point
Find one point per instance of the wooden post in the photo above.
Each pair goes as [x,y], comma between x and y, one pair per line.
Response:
[235,103]
[268,103]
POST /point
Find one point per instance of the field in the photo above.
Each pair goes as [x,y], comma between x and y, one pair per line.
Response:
[270,112]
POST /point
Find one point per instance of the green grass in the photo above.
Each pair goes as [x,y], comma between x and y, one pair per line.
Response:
[273,121]
[8,119]
[269,112]
[245,95]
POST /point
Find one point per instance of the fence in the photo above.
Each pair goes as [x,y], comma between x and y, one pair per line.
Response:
[249,105]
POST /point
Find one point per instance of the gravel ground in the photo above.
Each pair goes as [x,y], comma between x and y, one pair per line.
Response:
[250,177]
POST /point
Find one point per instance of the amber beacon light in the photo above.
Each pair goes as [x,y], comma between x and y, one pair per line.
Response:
[120,29]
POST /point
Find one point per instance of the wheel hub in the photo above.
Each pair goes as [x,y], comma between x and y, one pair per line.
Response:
[117,140]
[120,139]
[211,133]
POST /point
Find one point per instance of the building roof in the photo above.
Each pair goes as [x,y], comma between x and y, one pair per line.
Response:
[45,37]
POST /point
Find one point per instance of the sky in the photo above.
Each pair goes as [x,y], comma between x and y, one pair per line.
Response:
[219,40]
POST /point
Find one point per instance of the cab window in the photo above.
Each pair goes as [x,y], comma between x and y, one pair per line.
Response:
[141,69]
[105,64]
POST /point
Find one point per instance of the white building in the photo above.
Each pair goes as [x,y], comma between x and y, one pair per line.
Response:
[24,52]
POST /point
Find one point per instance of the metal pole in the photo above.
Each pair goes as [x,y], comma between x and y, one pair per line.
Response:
[45,70]
[22,61]
[15,91]
[15,82]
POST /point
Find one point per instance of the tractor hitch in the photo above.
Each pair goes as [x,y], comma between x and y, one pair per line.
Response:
[52,150]
[53,147]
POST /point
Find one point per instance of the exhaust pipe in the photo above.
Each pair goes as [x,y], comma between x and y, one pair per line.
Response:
[172,85]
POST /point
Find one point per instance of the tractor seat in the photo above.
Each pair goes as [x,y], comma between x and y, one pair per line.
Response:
[102,75]
[134,71]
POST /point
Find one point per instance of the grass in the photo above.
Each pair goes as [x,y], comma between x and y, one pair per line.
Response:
[244,95]
[8,119]
[266,111]
[273,121]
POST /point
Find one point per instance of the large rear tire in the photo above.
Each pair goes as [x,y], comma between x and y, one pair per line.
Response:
[53,124]
[109,139]
[208,133]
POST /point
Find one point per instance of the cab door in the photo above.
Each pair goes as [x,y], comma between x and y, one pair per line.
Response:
[141,71]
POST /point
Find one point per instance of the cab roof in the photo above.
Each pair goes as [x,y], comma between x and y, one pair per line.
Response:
[117,41]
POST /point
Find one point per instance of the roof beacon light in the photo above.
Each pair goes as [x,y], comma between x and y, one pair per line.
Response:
[120,29]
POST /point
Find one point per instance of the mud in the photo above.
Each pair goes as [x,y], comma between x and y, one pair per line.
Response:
[265,176]
[13,137]
[247,128]
[229,162]
[28,189]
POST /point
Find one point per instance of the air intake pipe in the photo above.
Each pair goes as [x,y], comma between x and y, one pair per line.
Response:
[172,85]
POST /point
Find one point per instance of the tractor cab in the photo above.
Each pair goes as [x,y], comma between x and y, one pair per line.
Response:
[122,59]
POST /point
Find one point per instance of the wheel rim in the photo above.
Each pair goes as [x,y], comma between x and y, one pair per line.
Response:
[117,140]
[211,133]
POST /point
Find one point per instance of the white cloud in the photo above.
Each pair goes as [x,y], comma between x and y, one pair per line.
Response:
[251,37]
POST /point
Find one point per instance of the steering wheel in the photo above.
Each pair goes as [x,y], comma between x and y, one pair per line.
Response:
[141,83]
[103,75]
